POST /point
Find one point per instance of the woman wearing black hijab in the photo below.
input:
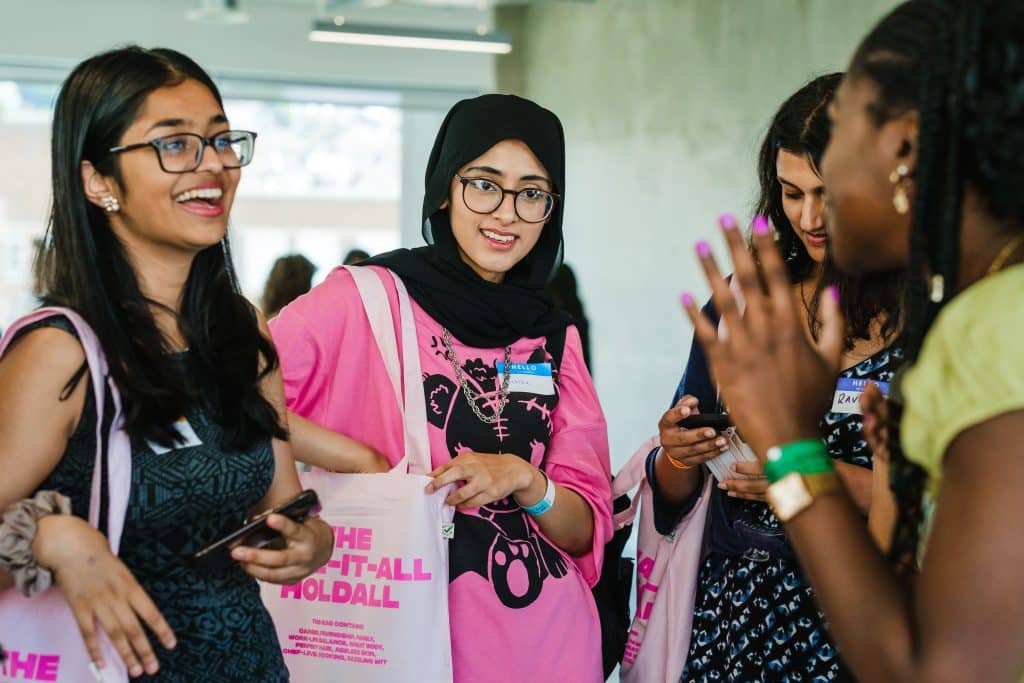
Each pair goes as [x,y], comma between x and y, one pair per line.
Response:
[512,412]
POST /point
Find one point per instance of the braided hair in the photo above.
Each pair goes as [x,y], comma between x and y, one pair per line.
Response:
[960,65]
[801,127]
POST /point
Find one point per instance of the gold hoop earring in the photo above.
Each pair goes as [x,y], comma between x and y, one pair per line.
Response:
[900,198]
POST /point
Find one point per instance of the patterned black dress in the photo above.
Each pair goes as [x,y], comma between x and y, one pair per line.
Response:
[755,618]
[181,500]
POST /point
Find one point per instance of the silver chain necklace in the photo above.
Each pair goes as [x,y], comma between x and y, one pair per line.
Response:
[468,392]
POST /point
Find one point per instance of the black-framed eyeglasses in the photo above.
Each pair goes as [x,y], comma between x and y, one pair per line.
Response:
[183,152]
[532,204]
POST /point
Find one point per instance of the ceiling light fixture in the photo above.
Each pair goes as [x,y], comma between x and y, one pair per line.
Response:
[423,39]
[217,12]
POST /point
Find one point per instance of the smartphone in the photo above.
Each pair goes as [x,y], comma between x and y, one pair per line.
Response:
[256,533]
[717,421]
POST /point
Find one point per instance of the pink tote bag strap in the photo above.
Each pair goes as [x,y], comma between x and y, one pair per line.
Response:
[118,445]
[632,475]
[405,375]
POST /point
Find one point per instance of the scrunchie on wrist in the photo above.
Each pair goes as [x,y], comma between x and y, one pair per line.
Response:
[18,530]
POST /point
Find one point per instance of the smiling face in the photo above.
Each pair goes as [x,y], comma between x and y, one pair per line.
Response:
[166,214]
[803,200]
[493,243]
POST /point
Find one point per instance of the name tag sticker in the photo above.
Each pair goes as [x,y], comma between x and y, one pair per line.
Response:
[529,378]
[847,397]
[187,438]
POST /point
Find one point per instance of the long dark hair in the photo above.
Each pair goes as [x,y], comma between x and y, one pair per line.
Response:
[82,265]
[960,65]
[801,127]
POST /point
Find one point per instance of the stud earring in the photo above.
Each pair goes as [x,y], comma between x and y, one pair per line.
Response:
[900,199]
[110,204]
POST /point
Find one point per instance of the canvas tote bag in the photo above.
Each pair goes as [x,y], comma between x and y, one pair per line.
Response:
[378,610]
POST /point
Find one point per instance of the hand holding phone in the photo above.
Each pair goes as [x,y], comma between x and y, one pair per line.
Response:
[256,533]
[721,467]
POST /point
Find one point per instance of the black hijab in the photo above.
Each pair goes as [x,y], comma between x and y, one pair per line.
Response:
[477,312]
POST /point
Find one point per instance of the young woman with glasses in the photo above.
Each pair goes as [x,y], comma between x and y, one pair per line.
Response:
[512,412]
[145,168]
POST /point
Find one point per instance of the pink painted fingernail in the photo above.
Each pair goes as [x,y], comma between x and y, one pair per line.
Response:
[723,487]
[761,225]
[703,248]
[727,221]
[687,299]
[834,291]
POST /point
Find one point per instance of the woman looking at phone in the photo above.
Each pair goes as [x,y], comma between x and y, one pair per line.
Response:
[145,168]
[754,615]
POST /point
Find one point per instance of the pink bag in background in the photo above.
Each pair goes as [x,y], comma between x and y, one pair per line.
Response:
[667,569]
[40,634]
[378,611]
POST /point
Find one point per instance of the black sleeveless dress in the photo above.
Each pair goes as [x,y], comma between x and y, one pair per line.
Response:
[181,500]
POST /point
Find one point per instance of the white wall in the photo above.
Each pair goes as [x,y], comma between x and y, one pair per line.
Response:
[664,103]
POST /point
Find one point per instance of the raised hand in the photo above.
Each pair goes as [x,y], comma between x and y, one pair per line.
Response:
[776,382]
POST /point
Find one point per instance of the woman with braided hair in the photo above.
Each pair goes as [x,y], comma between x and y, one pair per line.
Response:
[924,172]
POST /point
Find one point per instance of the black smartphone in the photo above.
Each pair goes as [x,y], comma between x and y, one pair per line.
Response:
[256,533]
[717,421]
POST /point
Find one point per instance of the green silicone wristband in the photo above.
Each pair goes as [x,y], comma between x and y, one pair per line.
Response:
[809,456]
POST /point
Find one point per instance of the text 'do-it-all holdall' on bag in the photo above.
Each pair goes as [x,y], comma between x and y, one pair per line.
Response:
[377,612]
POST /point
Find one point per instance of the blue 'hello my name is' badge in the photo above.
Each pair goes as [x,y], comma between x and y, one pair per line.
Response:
[529,378]
[848,390]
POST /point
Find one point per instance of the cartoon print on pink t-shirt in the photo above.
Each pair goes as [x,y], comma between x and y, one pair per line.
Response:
[500,544]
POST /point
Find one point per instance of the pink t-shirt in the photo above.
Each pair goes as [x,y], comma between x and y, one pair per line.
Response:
[521,608]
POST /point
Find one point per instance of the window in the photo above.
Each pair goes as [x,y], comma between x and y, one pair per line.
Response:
[326,178]
[25,110]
